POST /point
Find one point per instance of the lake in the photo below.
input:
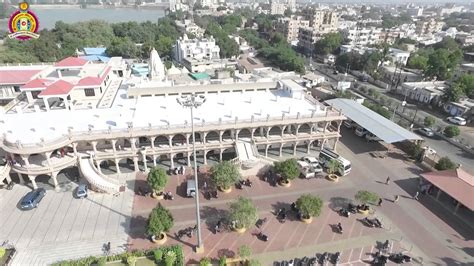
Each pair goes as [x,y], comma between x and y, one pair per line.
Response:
[49,17]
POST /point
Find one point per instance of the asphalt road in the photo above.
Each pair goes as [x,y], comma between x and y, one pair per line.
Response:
[441,146]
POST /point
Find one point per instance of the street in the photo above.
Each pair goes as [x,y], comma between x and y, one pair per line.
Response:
[441,146]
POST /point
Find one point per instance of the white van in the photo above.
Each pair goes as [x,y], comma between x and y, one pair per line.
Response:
[360,131]
[327,155]
[305,169]
[348,123]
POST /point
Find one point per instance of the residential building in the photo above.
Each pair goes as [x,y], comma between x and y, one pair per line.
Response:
[449,8]
[204,65]
[428,26]
[197,49]
[414,11]
[307,37]
[189,27]
[363,37]
[289,27]
[145,125]
[464,108]
[292,5]
[423,92]
[465,39]
[398,56]
[277,8]
[322,21]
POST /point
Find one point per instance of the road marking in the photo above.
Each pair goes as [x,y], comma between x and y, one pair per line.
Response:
[322,228]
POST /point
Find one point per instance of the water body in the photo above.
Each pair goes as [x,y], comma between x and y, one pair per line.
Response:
[49,17]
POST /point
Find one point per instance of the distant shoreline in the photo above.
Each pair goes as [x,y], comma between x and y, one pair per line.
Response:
[43,7]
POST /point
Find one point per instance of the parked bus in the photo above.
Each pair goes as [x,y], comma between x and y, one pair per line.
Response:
[327,155]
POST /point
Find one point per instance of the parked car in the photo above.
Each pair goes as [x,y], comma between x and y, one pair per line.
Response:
[81,191]
[457,120]
[349,123]
[191,188]
[314,163]
[32,199]
[364,78]
[335,72]
[360,131]
[426,131]
[371,137]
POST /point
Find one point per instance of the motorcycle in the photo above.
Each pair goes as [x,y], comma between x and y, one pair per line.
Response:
[339,228]
[336,257]
[238,185]
[344,212]
[399,258]
[379,259]
[262,236]
[324,258]
[352,208]
[368,222]
[377,223]
[260,222]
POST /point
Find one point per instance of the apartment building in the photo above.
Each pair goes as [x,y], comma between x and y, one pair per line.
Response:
[189,27]
[277,8]
[199,48]
[146,125]
[322,20]
[307,37]
[363,37]
[289,27]
[428,26]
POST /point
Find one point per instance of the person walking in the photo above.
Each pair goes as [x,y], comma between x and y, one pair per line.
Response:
[416,195]
[380,202]
[397,197]
[387,181]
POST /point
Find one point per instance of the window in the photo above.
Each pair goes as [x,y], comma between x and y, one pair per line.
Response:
[89,92]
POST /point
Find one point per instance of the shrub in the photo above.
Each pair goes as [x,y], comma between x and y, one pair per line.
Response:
[444,164]
[225,174]
[160,220]
[429,121]
[370,91]
[243,212]
[205,261]
[363,89]
[222,261]
[309,205]
[158,255]
[157,179]
[131,260]
[451,131]
[101,261]
[415,151]
[365,197]
[245,252]
[254,263]
[376,94]
[2,252]
[288,169]
[170,258]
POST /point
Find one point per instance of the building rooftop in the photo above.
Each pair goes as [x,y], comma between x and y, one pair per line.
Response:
[227,107]
[12,77]
[74,62]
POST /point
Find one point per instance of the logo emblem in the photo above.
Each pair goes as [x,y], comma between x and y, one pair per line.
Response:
[23,23]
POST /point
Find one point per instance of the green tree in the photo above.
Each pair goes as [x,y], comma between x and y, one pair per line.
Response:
[429,121]
[205,261]
[222,261]
[444,164]
[452,131]
[333,166]
[466,84]
[442,63]
[159,221]
[453,93]
[309,205]
[245,252]
[418,62]
[288,169]
[158,255]
[122,47]
[366,197]
[170,258]
[157,179]
[225,174]
[243,213]
[415,151]
[329,43]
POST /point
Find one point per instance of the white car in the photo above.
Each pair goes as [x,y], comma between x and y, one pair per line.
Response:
[371,137]
[457,120]
[314,163]
[426,131]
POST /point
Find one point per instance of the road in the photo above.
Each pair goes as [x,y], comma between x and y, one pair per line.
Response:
[441,146]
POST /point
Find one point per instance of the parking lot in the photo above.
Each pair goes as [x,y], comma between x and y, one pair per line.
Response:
[62,226]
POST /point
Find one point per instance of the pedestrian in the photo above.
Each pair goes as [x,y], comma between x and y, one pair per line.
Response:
[387,181]
[397,197]
[205,185]
[380,202]
[416,195]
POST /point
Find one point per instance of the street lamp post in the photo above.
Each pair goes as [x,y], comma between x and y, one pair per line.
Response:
[193,101]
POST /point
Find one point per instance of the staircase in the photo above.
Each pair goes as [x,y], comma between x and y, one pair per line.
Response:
[97,180]
[5,173]
[246,153]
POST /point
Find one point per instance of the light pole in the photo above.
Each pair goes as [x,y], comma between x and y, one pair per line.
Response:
[192,101]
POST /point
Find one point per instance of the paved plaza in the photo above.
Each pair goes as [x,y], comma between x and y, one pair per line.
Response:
[63,227]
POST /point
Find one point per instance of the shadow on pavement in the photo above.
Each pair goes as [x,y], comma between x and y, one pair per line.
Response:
[336,203]
[212,215]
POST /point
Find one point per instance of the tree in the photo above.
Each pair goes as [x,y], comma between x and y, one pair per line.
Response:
[466,84]
[157,179]
[288,169]
[158,255]
[429,121]
[122,47]
[309,205]
[366,197]
[225,174]
[333,166]
[329,43]
[415,151]
[442,63]
[170,258]
[418,62]
[452,131]
[159,221]
[245,252]
[243,213]
[205,261]
[453,93]
[444,164]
